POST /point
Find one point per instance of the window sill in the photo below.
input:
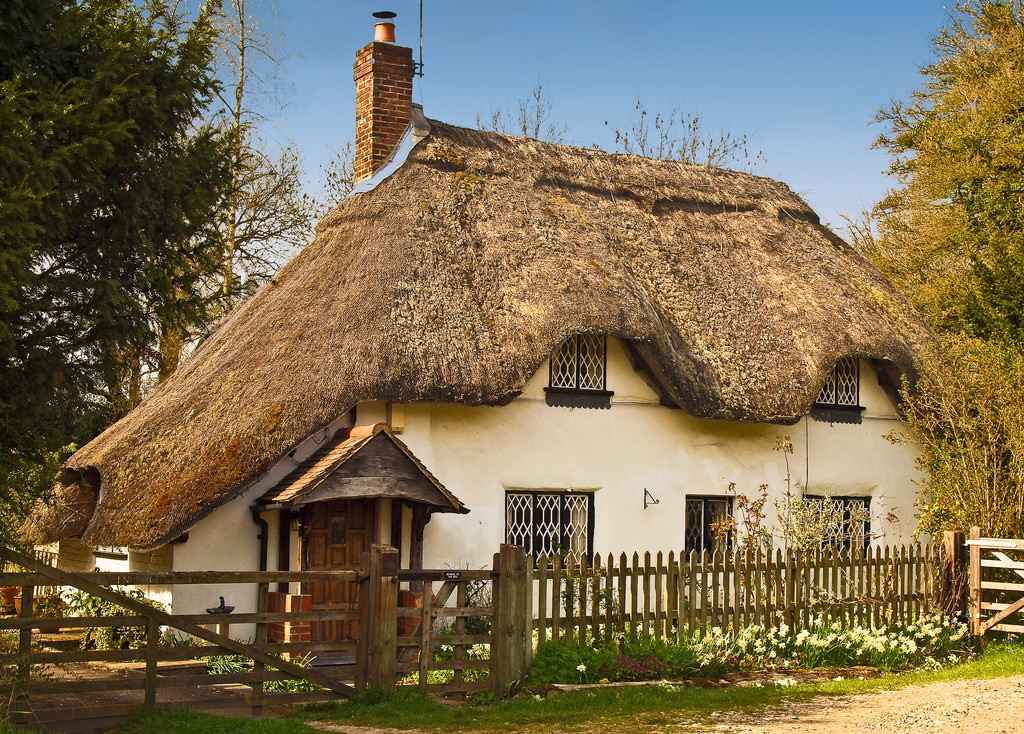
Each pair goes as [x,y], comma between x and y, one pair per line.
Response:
[569,397]
[850,414]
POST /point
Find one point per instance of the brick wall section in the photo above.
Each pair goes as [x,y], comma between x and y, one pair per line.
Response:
[383,74]
[279,601]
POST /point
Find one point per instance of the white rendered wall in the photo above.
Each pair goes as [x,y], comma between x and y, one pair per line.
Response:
[479,452]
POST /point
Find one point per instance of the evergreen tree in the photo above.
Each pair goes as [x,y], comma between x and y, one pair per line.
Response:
[107,191]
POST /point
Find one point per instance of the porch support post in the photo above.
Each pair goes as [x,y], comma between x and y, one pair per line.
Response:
[420,517]
[378,599]
[382,533]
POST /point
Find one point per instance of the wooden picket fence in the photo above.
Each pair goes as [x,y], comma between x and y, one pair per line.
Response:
[666,596]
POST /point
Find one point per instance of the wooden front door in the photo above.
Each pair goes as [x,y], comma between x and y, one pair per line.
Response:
[335,535]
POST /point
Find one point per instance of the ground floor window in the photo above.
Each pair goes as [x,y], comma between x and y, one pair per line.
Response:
[845,521]
[549,523]
[703,514]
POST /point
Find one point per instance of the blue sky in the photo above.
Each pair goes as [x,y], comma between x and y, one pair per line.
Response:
[802,79]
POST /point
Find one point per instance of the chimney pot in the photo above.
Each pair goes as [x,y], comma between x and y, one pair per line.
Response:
[384,28]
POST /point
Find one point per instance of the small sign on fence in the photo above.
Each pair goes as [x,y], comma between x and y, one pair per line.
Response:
[452,575]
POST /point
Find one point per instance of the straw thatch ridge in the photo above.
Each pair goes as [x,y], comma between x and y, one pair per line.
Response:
[457,276]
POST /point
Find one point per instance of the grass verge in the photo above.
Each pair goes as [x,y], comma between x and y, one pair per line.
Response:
[631,709]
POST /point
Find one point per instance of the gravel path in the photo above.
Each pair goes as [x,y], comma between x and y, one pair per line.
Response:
[993,706]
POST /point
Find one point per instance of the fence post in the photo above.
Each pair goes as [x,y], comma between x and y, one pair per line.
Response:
[511,614]
[975,581]
[378,599]
[952,589]
[152,653]
[789,607]
[262,605]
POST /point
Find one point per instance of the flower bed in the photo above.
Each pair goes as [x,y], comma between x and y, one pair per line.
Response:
[929,642]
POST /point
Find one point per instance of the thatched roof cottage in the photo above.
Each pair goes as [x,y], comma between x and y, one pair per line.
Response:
[546,336]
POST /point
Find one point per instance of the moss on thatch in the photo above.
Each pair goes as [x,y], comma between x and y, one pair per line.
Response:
[453,280]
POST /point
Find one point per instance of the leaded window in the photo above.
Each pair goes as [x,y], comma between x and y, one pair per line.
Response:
[550,523]
[578,373]
[579,363]
[839,399]
[704,518]
[845,521]
[842,386]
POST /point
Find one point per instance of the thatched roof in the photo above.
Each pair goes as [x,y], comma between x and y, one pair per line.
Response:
[456,277]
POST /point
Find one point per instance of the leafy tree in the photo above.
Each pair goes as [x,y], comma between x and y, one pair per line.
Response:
[107,184]
[267,215]
[951,234]
[339,176]
[967,415]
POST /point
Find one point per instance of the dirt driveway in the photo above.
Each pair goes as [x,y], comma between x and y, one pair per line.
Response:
[983,706]
[970,706]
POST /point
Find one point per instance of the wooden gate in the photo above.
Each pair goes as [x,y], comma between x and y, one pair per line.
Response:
[477,646]
[472,642]
[31,669]
[997,583]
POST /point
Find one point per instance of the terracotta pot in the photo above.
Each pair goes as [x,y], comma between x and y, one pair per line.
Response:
[7,595]
[43,627]
[49,628]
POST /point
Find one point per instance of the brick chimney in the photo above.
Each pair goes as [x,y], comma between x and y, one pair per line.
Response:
[383,74]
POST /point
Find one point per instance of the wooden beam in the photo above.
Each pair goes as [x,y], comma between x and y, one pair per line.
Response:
[999,617]
[510,628]
[1001,543]
[284,546]
[144,578]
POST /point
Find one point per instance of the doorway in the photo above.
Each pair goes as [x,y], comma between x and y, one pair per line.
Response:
[335,535]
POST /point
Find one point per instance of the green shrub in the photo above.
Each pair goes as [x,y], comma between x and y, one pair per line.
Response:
[676,661]
[227,664]
[83,604]
[560,662]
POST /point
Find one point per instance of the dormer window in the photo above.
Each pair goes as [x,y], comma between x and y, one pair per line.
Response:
[839,399]
[578,375]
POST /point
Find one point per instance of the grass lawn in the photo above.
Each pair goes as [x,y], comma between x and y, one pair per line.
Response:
[602,710]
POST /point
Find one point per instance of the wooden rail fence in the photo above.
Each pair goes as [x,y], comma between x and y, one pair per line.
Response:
[996,583]
[668,595]
[380,657]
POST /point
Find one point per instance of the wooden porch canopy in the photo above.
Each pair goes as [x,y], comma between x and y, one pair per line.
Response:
[365,462]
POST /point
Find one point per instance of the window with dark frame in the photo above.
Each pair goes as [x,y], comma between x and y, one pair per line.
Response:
[702,515]
[854,529]
[839,398]
[577,375]
[549,523]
